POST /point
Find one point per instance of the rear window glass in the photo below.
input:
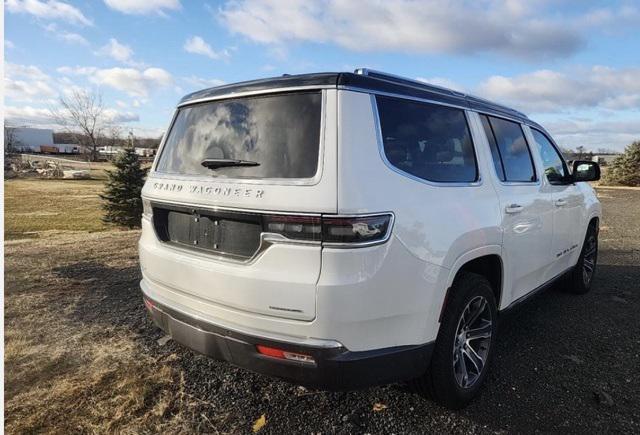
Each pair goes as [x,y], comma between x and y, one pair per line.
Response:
[429,141]
[279,132]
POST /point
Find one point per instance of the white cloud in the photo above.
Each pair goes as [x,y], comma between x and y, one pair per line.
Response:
[117,51]
[441,26]
[9,44]
[571,133]
[27,83]
[547,91]
[134,82]
[27,115]
[442,82]
[64,35]
[49,10]
[201,83]
[197,45]
[113,115]
[143,7]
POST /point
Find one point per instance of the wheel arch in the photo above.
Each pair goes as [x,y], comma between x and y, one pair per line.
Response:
[485,261]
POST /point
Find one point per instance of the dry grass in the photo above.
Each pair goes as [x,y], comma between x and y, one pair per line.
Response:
[67,369]
[75,331]
[34,206]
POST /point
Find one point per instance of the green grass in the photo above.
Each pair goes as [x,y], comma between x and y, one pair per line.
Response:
[33,206]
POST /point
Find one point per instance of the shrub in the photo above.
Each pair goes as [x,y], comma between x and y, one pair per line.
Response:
[625,169]
[122,201]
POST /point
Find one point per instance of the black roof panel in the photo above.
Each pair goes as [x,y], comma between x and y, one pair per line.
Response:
[371,81]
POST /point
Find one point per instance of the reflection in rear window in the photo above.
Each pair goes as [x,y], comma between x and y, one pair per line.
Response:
[280,132]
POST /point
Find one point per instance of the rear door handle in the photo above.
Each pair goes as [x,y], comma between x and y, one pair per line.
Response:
[514,208]
[561,202]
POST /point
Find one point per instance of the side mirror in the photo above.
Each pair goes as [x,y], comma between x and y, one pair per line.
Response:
[585,170]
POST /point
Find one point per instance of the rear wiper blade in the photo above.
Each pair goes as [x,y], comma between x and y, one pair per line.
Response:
[226,163]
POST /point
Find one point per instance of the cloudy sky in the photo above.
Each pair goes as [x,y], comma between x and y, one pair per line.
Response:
[574,66]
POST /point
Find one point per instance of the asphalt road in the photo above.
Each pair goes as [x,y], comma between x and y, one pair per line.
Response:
[564,363]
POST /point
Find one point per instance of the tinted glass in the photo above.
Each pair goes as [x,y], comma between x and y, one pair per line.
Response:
[513,150]
[280,132]
[495,154]
[429,141]
[554,167]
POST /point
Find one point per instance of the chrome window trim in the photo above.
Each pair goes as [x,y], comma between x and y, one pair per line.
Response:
[379,139]
[312,181]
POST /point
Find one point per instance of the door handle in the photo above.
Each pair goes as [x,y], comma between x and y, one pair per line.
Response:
[513,208]
[561,202]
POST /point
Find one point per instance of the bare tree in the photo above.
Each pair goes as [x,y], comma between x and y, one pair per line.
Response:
[83,114]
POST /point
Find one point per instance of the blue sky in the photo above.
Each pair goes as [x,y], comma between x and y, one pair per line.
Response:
[574,66]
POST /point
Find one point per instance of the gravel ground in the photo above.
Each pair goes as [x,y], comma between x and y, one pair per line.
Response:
[563,363]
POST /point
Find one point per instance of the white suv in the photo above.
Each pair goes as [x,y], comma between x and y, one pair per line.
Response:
[341,230]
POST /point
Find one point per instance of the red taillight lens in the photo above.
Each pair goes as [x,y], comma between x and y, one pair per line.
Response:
[333,231]
[283,354]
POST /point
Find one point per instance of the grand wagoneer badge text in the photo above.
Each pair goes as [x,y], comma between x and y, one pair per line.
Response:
[237,192]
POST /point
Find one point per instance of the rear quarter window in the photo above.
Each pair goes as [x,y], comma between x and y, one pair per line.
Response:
[429,141]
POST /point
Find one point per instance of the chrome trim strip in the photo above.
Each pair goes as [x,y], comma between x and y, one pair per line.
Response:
[376,117]
[257,92]
[313,181]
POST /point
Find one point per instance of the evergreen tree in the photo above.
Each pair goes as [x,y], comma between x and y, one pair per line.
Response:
[122,201]
[625,169]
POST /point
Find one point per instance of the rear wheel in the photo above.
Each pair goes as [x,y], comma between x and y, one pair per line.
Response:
[464,345]
[582,274]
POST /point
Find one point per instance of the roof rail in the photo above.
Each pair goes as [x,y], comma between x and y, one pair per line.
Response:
[399,79]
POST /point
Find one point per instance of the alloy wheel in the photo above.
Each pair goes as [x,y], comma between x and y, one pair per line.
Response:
[472,341]
[589,259]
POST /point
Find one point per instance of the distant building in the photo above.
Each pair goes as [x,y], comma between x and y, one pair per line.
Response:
[27,140]
[145,152]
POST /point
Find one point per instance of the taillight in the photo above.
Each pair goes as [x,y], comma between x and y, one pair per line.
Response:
[344,231]
[294,227]
[147,210]
[355,229]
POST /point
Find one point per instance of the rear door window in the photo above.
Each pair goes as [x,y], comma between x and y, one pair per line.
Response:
[428,141]
[281,133]
[509,147]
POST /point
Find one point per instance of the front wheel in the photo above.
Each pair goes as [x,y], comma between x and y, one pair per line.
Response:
[581,276]
[465,343]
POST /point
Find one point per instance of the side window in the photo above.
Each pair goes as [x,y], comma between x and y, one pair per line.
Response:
[510,147]
[428,141]
[495,153]
[554,167]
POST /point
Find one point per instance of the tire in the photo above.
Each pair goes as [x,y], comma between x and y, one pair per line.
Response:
[581,277]
[445,379]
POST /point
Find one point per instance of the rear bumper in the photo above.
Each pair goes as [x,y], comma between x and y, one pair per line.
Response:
[335,368]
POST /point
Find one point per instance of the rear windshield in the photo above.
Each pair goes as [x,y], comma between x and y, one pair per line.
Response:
[279,132]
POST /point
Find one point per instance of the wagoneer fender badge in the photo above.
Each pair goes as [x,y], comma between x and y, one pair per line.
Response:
[198,189]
